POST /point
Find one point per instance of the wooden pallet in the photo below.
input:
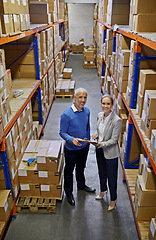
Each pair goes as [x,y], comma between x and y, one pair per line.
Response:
[89,66]
[36,204]
[64,96]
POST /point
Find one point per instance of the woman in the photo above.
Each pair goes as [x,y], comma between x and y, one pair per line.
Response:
[107,150]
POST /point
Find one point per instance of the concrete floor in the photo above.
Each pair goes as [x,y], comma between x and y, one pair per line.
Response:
[89,219]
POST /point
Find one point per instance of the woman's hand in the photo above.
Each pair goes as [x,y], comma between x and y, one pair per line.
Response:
[96,144]
[76,142]
[94,136]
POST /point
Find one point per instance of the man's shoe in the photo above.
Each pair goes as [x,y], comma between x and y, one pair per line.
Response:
[88,189]
[70,199]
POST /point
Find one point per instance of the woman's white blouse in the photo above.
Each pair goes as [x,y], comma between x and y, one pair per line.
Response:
[102,126]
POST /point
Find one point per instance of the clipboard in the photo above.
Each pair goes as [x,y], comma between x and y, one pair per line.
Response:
[86,140]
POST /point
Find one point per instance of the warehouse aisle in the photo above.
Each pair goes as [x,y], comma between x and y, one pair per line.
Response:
[89,219]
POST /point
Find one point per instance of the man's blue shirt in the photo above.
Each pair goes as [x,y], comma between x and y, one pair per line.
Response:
[75,124]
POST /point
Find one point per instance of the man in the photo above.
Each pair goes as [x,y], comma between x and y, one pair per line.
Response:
[74,124]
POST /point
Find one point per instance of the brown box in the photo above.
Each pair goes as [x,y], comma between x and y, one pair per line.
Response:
[30,189]
[145,197]
[147,80]
[4,7]
[144,6]
[54,191]
[27,174]
[144,23]
[141,163]
[149,177]
[6,204]
[144,213]
[9,145]
[125,55]
[16,23]
[67,73]
[149,125]
[7,23]
[139,105]
[36,18]
[149,104]
[49,160]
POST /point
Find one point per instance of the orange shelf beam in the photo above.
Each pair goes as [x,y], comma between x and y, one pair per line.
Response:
[149,43]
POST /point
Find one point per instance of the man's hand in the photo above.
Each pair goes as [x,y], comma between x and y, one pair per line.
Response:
[76,142]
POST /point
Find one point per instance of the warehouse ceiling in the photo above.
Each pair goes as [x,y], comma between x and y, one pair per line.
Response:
[81,1]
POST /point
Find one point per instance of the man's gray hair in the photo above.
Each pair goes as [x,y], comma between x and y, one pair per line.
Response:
[79,90]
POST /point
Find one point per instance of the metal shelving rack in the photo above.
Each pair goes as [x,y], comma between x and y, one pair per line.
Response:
[132,120]
[4,164]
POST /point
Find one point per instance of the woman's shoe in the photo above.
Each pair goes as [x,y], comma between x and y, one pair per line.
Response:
[112,207]
[101,197]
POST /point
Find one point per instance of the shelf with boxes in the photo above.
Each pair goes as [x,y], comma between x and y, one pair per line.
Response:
[126,68]
[32,70]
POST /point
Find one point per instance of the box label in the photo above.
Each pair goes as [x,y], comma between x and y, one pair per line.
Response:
[43,174]
[22,173]
[45,188]
[152,228]
[6,206]
[41,160]
[25,186]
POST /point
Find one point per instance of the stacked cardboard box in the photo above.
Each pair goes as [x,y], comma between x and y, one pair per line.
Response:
[51,84]
[44,178]
[121,62]
[6,205]
[108,45]
[142,16]
[153,144]
[148,118]
[147,81]
[65,87]
[14,16]
[39,13]
[145,194]
[135,149]
[57,40]
[124,118]
[58,67]
[118,12]
[78,48]
[16,143]
[6,93]
[102,13]
[96,6]
[89,57]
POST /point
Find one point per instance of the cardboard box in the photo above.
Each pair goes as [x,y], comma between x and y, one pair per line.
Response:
[149,104]
[144,213]
[27,174]
[4,7]
[7,23]
[143,6]
[125,55]
[118,19]
[141,163]
[139,105]
[9,145]
[149,177]
[49,160]
[6,204]
[36,18]
[16,23]
[153,144]
[149,125]
[67,73]
[39,8]
[144,23]
[145,197]
[152,230]
[147,80]
[29,189]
